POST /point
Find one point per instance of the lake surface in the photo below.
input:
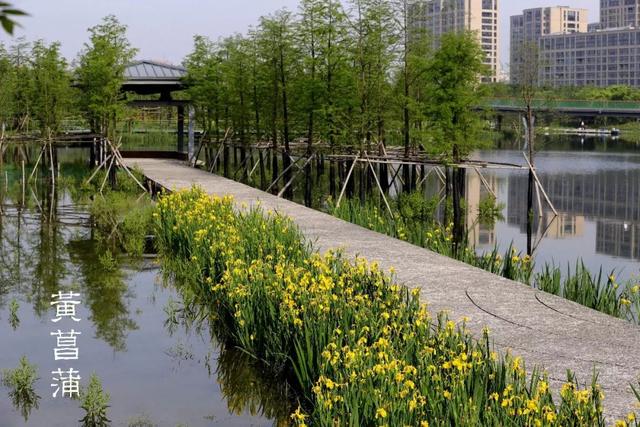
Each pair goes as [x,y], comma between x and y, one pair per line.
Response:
[593,183]
[155,374]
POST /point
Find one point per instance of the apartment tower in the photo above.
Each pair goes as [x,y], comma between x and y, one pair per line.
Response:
[439,17]
[537,22]
[619,13]
[606,54]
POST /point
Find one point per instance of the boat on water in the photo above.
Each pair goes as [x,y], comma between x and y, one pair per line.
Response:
[583,131]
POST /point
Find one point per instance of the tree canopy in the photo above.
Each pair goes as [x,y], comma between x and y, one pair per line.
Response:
[354,73]
[100,74]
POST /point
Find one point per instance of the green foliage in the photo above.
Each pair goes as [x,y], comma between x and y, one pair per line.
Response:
[7,16]
[122,215]
[610,93]
[490,211]
[141,421]
[95,403]
[455,74]
[101,72]
[14,320]
[203,82]
[51,87]
[34,85]
[7,84]
[353,74]
[21,384]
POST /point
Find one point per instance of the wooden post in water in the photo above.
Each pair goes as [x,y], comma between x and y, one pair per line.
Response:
[459,229]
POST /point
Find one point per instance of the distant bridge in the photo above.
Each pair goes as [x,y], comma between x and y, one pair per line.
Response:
[580,108]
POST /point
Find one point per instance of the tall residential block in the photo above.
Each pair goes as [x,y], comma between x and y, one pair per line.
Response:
[619,13]
[535,23]
[599,58]
[439,17]
[608,54]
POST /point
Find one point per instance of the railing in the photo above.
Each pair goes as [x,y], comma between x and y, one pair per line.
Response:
[553,104]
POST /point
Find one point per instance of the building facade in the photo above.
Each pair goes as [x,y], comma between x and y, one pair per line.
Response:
[606,53]
[439,17]
[619,13]
[600,58]
[535,23]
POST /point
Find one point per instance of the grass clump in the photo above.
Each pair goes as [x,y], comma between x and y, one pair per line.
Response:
[361,349]
[21,384]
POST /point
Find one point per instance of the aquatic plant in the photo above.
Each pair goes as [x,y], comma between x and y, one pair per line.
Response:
[599,292]
[95,403]
[490,211]
[141,421]
[107,261]
[121,215]
[21,384]
[361,349]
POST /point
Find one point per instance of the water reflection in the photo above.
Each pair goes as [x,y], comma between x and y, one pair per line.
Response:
[247,385]
[47,244]
[107,297]
[597,196]
[39,254]
[610,198]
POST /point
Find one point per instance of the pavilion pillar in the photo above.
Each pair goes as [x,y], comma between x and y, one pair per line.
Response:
[191,140]
[180,128]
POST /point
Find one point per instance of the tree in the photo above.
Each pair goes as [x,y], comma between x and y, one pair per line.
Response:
[101,74]
[7,88]
[527,76]
[276,49]
[204,84]
[455,74]
[373,54]
[51,87]
[20,56]
[455,88]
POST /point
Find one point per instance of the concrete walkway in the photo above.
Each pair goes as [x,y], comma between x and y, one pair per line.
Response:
[545,330]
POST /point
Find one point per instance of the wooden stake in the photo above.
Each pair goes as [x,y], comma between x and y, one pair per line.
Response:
[346,181]
[295,175]
[116,152]
[375,176]
[485,183]
[280,176]
[35,168]
[539,202]
[104,181]
[544,193]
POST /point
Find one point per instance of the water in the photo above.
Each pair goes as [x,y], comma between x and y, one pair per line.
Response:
[167,376]
[595,186]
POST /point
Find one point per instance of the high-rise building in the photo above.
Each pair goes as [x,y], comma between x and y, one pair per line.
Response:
[537,22]
[439,17]
[619,13]
[601,58]
[608,54]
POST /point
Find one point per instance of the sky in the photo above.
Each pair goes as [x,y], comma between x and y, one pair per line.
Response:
[163,29]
